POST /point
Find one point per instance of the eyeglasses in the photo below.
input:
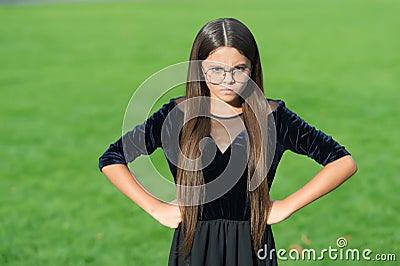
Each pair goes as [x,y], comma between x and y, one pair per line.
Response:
[216,75]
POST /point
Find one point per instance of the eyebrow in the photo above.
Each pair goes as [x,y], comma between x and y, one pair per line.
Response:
[241,65]
[224,65]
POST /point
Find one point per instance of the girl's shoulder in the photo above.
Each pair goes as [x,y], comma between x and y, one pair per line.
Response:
[177,100]
[275,104]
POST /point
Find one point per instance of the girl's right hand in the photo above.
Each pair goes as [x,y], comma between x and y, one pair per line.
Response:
[167,214]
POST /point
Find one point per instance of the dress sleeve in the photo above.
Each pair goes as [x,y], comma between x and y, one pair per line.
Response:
[297,135]
[144,139]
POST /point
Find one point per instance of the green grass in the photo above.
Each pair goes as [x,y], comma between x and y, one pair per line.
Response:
[69,70]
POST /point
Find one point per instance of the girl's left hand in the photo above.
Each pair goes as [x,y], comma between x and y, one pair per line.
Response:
[280,211]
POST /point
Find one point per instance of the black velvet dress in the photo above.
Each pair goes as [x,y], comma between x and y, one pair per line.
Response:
[223,229]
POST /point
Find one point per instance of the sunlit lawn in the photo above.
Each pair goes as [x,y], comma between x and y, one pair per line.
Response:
[67,72]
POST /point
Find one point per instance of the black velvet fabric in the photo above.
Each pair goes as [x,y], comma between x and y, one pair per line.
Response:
[224,242]
[292,133]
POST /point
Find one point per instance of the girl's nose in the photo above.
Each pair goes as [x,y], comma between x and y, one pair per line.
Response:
[229,78]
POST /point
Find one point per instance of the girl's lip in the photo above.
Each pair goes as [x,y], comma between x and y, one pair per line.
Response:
[227,90]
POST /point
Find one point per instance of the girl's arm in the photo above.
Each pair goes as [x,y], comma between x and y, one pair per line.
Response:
[329,178]
[167,214]
[142,140]
[298,136]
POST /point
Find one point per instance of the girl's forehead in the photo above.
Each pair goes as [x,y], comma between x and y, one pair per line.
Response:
[229,56]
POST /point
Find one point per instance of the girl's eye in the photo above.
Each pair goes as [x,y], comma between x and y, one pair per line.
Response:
[217,69]
[240,68]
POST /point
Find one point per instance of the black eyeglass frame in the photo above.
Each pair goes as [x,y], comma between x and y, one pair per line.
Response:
[232,75]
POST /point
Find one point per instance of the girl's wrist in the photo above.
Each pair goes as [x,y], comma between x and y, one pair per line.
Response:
[154,207]
[290,204]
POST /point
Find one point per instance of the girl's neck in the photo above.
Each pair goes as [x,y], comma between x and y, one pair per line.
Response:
[224,109]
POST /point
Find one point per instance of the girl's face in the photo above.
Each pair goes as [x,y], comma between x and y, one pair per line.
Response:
[237,69]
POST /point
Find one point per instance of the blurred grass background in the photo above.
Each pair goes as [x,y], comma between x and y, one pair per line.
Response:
[69,70]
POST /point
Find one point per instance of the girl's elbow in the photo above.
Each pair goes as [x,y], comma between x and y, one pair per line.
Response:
[353,168]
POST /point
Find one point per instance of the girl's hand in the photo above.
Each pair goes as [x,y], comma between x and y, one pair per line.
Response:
[167,214]
[280,211]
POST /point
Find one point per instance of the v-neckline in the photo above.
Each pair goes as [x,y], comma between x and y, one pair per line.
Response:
[230,144]
[216,144]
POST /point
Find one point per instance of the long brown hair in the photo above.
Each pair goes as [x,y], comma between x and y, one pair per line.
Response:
[232,33]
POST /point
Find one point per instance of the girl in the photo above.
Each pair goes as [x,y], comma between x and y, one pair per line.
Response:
[227,223]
